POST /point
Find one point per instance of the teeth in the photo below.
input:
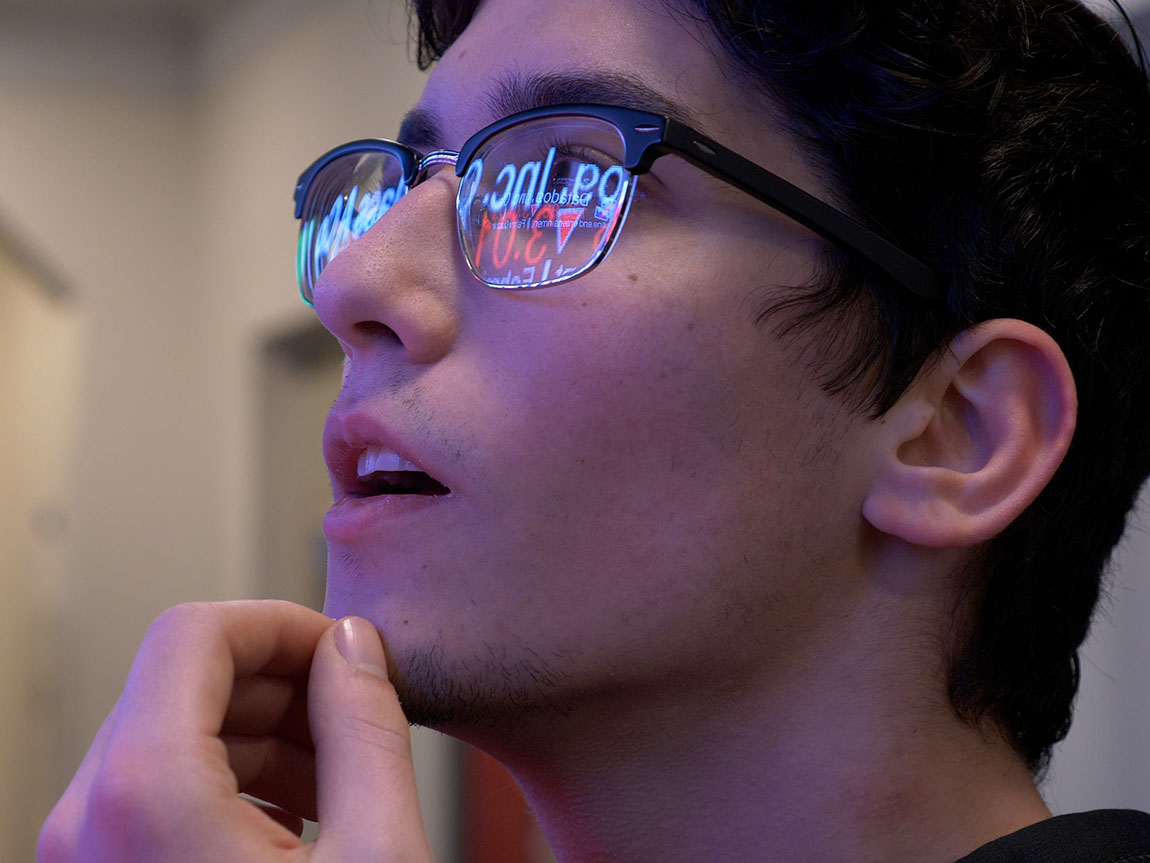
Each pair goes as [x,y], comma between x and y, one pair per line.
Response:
[379,459]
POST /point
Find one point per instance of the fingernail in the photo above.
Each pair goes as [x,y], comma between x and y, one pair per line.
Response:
[359,644]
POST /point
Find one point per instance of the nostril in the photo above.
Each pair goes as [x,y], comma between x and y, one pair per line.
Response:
[374,330]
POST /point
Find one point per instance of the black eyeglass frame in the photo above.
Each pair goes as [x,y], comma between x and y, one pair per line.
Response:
[646,137]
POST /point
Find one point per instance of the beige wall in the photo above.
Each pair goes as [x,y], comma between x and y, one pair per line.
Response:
[279,82]
[152,168]
[39,348]
[323,74]
[87,183]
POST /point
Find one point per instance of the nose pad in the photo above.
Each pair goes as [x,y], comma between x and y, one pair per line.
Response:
[397,285]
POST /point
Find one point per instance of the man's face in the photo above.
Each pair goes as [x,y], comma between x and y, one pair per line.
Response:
[646,486]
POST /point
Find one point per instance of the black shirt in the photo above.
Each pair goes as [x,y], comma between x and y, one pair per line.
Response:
[1102,836]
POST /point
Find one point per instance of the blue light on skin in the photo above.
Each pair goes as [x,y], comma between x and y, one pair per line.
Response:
[532,175]
[620,177]
[351,216]
[546,176]
[529,170]
[307,233]
[499,201]
[468,188]
[335,229]
[530,184]
[586,179]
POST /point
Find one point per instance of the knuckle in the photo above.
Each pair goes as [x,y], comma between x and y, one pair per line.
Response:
[183,616]
[183,621]
[390,741]
[54,844]
[120,793]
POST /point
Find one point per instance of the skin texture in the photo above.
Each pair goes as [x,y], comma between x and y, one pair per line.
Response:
[658,511]
[263,697]
[628,422]
[695,605]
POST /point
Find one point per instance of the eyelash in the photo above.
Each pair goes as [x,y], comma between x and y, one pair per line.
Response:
[569,149]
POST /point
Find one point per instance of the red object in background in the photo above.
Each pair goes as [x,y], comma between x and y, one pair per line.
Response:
[498,822]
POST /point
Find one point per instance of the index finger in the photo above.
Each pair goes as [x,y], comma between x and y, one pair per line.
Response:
[181,681]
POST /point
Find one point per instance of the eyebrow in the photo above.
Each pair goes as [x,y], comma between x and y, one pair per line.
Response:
[522,92]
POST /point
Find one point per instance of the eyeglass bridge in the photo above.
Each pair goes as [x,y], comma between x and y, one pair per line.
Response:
[431,160]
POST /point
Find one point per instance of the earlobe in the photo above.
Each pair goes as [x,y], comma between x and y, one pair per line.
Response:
[975,439]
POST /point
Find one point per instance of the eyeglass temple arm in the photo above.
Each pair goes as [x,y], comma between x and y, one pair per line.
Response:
[801,206]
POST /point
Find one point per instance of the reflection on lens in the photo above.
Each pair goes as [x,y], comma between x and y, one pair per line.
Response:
[541,201]
[346,198]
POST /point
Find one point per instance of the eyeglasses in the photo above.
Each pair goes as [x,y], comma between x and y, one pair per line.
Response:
[544,194]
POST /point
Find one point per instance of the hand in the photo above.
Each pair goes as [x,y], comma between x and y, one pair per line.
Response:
[226,698]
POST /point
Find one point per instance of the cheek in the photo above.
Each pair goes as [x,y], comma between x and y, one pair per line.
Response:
[633,432]
[648,477]
[638,420]
[653,374]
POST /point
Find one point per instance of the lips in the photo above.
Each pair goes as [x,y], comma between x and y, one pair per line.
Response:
[384,472]
[367,459]
[378,504]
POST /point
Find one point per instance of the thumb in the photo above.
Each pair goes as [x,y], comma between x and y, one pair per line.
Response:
[365,783]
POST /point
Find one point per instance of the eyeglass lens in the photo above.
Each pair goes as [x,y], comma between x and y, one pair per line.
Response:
[344,200]
[539,203]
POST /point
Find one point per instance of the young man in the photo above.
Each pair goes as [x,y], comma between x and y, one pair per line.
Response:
[736,526]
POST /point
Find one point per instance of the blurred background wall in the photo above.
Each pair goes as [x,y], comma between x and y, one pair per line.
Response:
[162,388]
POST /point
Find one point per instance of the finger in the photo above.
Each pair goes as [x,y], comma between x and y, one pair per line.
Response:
[286,819]
[165,778]
[62,826]
[159,775]
[263,704]
[181,683]
[368,809]
[276,770]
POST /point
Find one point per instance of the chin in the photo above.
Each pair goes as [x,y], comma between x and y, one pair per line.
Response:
[490,689]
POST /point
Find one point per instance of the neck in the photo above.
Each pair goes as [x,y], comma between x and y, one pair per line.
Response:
[817,770]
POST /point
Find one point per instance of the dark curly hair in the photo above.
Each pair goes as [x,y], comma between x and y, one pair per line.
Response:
[1007,144]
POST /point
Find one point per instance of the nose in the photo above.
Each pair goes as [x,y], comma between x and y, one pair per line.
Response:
[397,285]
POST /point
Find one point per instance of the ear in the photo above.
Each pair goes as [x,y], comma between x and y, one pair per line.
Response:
[975,439]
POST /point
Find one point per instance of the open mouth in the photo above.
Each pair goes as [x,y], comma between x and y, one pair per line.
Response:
[382,472]
[401,482]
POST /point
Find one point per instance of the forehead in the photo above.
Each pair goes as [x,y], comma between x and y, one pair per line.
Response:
[631,52]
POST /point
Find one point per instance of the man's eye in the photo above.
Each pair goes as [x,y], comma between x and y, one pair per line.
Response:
[570,155]
[577,156]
